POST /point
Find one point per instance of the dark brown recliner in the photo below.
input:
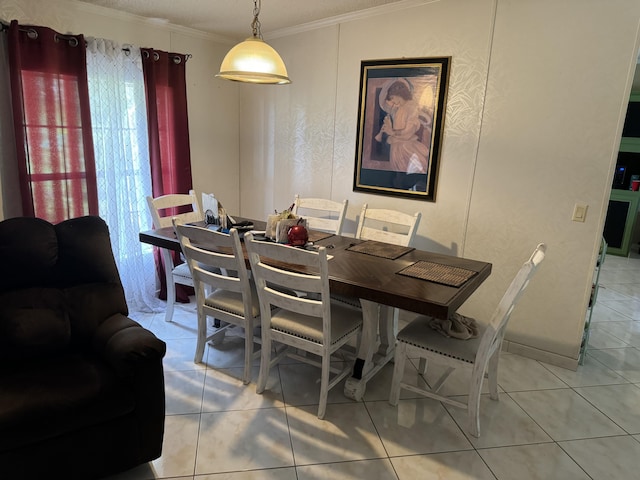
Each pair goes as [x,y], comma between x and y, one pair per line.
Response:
[81,384]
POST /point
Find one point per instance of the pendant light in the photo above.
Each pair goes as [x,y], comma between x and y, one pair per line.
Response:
[254,61]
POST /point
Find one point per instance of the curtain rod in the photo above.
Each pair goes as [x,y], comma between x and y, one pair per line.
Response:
[73,41]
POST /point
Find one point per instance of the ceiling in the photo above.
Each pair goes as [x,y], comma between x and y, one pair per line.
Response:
[232,18]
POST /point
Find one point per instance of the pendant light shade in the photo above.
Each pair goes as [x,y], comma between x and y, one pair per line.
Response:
[254,60]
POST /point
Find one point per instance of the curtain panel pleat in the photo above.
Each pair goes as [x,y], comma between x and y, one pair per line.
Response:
[52,123]
[169,151]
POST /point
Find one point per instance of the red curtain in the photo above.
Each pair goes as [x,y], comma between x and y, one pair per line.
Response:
[166,90]
[52,123]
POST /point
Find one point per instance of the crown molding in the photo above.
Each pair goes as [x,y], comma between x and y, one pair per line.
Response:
[348,17]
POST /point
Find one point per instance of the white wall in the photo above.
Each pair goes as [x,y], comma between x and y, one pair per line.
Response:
[212,102]
[537,94]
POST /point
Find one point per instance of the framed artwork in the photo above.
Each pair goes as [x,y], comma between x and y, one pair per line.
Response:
[400,122]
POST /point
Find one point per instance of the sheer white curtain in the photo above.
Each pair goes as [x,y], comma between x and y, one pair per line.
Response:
[119,124]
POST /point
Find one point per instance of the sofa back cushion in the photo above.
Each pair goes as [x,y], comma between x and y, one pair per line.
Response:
[63,283]
[33,323]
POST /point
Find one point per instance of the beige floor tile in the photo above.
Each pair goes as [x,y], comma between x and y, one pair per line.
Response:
[606,294]
[565,415]
[379,387]
[180,354]
[545,461]
[347,433]
[179,447]
[301,385]
[416,426]
[599,339]
[604,314]
[224,390]
[243,440]
[606,458]
[502,423]
[450,466]
[183,325]
[370,470]
[183,391]
[621,403]
[628,332]
[457,383]
[623,361]
[590,373]
[226,354]
[628,307]
[628,288]
[517,373]
[271,474]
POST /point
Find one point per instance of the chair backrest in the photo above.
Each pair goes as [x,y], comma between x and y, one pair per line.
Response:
[181,205]
[494,333]
[280,287]
[390,226]
[321,214]
[215,259]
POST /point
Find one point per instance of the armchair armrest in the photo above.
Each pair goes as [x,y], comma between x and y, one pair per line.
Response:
[126,345]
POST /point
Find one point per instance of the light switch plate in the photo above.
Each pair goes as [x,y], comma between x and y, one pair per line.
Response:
[579,212]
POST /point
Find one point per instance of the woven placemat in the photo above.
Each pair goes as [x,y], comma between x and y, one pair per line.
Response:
[438,273]
[380,249]
[317,235]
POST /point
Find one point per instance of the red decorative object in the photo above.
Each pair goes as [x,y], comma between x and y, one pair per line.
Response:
[298,236]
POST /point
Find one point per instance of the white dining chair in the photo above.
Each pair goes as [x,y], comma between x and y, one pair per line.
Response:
[221,270]
[321,214]
[162,210]
[478,356]
[389,226]
[312,323]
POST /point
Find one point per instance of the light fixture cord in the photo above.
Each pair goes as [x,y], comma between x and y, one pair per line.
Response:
[255,25]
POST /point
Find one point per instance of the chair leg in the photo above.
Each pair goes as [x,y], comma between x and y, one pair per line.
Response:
[265,363]
[422,367]
[171,285]
[202,336]
[248,351]
[493,375]
[324,385]
[473,405]
[398,372]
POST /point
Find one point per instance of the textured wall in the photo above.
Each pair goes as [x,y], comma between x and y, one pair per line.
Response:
[532,125]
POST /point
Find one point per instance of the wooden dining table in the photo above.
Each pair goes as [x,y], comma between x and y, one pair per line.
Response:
[382,277]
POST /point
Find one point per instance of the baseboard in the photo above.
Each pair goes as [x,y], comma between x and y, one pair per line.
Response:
[541,355]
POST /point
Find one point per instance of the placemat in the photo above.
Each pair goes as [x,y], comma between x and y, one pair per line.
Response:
[438,273]
[380,249]
[317,235]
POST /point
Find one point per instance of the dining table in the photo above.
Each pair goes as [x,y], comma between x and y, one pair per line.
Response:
[381,277]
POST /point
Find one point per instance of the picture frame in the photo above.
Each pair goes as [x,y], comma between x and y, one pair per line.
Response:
[401,112]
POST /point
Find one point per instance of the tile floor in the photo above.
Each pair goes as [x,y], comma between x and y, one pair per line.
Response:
[550,423]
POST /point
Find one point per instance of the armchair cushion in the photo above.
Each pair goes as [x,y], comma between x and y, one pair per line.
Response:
[33,332]
[33,323]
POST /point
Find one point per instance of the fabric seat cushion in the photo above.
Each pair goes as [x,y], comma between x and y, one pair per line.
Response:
[182,271]
[231,302]
[420,334]
[344,320]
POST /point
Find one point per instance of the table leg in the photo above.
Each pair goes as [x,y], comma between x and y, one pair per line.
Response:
[388,329]
[371,356]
